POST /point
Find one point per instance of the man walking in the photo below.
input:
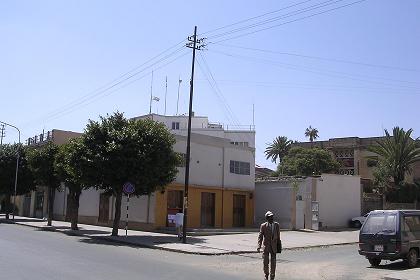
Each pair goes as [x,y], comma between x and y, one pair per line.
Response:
[270,233]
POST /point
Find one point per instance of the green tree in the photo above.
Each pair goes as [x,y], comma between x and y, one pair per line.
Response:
[305,162]
[137,151]
[311,133]
[278,149]
[8,155]
[41,162]
[71,166]
[397,154]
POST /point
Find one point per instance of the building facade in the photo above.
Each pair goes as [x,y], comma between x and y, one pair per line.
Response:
[221,184]
[354,156]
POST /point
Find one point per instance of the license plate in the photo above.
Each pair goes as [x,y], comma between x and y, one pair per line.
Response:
[378,248]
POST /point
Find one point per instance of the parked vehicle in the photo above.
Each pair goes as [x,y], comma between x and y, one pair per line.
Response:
[358,221]
[391,235]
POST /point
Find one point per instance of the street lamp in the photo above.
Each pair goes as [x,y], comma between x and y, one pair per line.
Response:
[17,168]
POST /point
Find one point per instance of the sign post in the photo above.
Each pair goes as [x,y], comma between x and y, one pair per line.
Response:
[128,188]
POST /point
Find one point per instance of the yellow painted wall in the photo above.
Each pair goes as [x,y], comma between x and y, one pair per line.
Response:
[194,206]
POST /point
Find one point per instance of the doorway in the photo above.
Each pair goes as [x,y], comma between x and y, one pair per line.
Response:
[239,210]
[208,202]
[103,209]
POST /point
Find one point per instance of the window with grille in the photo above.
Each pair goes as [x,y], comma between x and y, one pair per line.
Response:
[240,167]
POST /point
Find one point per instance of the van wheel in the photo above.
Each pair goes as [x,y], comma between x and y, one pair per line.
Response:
[412,258]
[374,262]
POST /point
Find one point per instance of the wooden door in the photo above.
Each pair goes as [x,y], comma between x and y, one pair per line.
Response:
[174,206]
[207,209]
[103,208]
[239,210]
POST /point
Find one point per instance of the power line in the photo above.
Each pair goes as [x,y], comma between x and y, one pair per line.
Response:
[97,94]
[322,71]
[255,17]
[110,84]
[277,18]
[216,89]
[320,58]
[316,86]
[287,22]
[106,92]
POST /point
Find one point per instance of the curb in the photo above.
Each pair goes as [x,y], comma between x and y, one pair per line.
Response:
[119,241]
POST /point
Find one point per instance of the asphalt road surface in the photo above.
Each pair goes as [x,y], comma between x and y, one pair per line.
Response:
[27,253]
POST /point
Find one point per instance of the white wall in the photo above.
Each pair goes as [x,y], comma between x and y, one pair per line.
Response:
[237,180]
[60,201]
[89,203]
[339,199]
[137,211]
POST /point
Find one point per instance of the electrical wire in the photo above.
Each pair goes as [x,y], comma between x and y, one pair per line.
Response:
[99,92]
[252,18]
[287,22]
[320,58]
[106,92]
[277,18]
[324,72]
[108,85]
[216,90]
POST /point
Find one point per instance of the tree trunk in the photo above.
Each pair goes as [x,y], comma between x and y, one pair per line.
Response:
[75,196]
[117,217]
[7,205]
[51,195]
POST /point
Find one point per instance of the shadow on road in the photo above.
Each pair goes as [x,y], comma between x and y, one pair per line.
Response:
[396,265]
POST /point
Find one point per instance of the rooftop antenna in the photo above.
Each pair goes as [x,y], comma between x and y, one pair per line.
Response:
[179,85]
[166,91]
[253,115]
[151,94]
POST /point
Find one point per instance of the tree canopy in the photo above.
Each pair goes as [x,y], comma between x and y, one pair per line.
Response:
[71,166]
[397,154]
[305,162]
[137,151]
[278,148]
[41,162]
[311,133]
[8,156]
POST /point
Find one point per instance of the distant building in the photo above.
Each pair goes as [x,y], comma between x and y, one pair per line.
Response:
[35,203]
[352,153]
[261,172]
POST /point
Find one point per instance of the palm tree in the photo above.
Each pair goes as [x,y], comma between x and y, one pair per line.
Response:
[312,133]
[278,149]
[397,153]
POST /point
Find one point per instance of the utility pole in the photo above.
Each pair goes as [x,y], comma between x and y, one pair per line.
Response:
[2,135]
[194,44]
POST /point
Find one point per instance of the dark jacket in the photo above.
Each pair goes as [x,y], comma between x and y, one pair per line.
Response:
[270,240]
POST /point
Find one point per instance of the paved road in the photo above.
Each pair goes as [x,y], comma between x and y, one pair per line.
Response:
[26,253]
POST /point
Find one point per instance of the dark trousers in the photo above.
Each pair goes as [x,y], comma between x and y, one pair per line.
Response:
[272,258]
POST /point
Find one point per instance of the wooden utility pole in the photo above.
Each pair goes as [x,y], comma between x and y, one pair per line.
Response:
[194,44]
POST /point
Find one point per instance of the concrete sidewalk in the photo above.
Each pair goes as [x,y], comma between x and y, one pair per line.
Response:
[204,245]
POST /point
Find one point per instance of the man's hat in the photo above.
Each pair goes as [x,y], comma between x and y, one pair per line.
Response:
[269,214]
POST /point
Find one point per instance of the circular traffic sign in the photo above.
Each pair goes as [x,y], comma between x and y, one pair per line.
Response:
[128,188]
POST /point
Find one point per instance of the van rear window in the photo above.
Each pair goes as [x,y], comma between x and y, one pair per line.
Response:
[382,223]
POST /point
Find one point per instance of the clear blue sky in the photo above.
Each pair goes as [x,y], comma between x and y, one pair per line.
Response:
[53,53]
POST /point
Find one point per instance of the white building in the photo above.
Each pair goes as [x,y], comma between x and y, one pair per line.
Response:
[221,185]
